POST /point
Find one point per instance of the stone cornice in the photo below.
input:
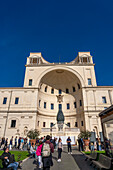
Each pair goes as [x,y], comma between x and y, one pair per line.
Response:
[61,64]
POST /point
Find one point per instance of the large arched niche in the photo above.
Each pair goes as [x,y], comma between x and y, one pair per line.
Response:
[63,79]
[74,73]
[60,79]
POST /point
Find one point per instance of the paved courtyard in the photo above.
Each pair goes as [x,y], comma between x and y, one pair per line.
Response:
[76,161]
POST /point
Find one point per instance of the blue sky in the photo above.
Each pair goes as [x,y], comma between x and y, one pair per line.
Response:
[55,28]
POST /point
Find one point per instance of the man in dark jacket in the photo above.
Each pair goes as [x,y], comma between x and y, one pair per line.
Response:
[47,161]
[8,160]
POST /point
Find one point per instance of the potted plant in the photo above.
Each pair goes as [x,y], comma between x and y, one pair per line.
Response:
[33,134]
[85,135]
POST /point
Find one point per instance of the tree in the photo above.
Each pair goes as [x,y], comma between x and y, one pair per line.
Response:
[85,134]
[33,134]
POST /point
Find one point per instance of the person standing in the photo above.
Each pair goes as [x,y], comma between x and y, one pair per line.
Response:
[99,145]
[60,148]
[54,142]
[16,142]
[92,146]
[47,151]
[79,144]
[69,145]
[82,144]
[6,142]
[38,153]
[19,142]
[10,145]
[32,150]
[22,144]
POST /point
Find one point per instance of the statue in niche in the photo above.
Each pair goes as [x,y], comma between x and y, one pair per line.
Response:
[25,130]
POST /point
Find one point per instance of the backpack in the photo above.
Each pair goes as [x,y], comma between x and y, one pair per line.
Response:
[46,150]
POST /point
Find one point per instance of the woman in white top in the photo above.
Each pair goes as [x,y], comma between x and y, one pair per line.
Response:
[60,148]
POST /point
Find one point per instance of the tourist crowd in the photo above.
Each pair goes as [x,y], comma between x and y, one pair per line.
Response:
[93,145]
[41,149]
[17,143]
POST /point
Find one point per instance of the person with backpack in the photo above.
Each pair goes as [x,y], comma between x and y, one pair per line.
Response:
[60,148]
[47,151]
[38,153]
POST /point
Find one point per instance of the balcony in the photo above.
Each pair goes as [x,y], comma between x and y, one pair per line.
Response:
[72,130]
[48,130]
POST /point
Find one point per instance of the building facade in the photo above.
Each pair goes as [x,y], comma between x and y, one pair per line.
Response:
[49,87]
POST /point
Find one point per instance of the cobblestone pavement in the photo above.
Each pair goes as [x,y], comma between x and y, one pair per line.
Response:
[76,161]
[68,162]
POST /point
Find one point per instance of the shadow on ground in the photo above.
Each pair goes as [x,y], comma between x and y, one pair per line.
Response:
[82,164]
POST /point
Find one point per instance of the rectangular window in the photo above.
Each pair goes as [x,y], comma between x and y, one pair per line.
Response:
[76,124]
[39,102]
[75,105]
[52,91]
[60,106]
[34,60]
[68,124]
[52,106]
[89,81]
[44,105]
[74,89]
[16,100]
[30,82]
[67,91]
[13,123]
[68,106]
[78,86]
[104,99]
[60,91]
[5,100]
[46,89]
[44,124]
[80,102]
[82,124]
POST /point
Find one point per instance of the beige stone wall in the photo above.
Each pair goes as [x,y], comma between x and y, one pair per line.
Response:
[28,113]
